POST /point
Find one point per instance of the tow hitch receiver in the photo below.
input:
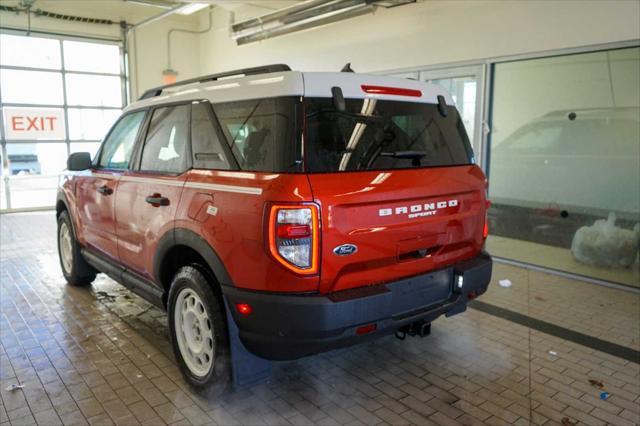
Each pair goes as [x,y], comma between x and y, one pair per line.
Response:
[419,328]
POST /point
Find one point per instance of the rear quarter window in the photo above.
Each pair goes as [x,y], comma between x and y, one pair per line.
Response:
[263,134]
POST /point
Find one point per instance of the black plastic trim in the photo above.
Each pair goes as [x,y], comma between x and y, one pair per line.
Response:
[131,280]
[186,237]
[283,327]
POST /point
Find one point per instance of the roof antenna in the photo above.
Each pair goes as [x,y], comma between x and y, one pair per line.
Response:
[347,68]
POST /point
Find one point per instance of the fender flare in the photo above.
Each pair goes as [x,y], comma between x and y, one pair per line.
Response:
[61,197]
[186,237]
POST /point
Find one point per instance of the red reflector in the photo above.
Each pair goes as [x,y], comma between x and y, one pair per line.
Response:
[244,309]
[366,329]
[485,230]
[472,295]
[288,230]
[398,91]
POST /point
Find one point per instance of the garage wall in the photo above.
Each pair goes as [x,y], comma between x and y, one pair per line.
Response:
[428,33]
[150,57]
[148,54]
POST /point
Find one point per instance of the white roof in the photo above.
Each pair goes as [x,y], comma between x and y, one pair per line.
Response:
[295,83]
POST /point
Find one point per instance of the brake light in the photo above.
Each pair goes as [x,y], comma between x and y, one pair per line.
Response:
[293,237]
[397,91]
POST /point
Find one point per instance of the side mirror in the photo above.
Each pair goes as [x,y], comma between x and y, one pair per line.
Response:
[79,161]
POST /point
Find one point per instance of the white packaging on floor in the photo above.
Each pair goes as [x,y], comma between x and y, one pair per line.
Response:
[604,244]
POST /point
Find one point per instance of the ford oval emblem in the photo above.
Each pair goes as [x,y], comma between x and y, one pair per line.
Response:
[345,249]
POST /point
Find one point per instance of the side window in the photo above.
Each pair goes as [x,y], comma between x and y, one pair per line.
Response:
[165,147]
[117,148]
[207,148]
[261,133]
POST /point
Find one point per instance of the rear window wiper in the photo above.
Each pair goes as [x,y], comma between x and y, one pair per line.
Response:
[355,116]
[415,156]
[412,155]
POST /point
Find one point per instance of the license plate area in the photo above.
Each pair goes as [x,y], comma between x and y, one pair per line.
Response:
[421,291]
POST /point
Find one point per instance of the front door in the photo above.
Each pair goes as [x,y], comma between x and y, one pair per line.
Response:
[96,190]
[148,195]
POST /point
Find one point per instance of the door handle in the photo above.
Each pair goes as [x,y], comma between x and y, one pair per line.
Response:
[105,190]
[157,200]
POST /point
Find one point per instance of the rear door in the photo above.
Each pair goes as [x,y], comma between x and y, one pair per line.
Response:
[399,194]
[96,191]
[148,195]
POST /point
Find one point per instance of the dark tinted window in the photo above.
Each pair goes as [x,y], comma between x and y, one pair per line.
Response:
[118,147]
[263,133]
[402,135]
[205,144]
[165,148]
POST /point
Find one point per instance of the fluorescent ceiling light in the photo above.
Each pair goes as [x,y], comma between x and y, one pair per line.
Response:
[192,8]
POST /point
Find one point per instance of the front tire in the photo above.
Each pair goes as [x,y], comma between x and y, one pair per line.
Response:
[198,327]
[75,269]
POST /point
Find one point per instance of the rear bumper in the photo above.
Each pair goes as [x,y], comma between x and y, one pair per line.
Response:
[283,327]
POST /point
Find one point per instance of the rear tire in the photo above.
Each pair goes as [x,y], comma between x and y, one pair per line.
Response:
[75,269]
[198,326]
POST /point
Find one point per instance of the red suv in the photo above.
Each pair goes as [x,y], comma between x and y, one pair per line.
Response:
[306,211]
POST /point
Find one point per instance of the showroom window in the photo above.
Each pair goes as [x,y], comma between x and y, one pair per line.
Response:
[57,96]
[564,169]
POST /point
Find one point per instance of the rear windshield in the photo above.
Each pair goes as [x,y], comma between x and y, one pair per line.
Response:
[373,134]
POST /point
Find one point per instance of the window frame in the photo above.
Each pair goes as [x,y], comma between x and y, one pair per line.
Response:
[142,141]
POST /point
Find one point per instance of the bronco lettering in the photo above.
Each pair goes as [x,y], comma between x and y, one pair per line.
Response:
[419,210]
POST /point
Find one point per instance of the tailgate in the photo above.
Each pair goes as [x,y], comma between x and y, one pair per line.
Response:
[402,222]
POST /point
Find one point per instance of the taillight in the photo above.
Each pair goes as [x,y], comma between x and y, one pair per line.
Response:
[293,237]
[485,230]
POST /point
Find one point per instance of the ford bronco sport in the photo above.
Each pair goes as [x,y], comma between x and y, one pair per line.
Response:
[310,211]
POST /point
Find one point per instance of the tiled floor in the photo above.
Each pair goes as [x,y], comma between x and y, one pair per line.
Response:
[608,314]
[100,355]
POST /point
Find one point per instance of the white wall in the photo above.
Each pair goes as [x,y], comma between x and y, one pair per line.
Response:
[148,54]
[428,33]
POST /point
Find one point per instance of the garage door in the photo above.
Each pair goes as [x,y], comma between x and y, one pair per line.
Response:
[57,96]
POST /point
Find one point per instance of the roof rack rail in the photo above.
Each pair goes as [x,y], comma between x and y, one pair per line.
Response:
[156,91]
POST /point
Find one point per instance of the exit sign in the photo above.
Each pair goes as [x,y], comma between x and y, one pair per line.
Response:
[33,123]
